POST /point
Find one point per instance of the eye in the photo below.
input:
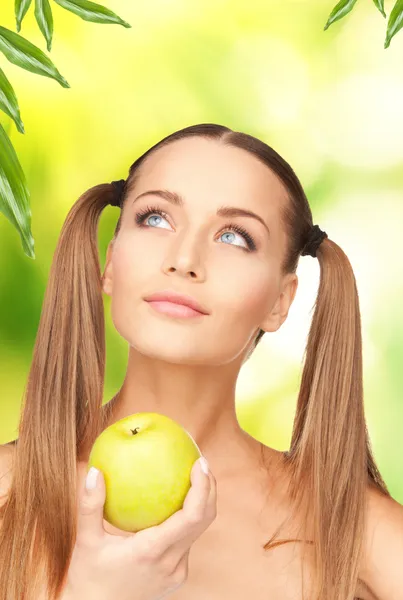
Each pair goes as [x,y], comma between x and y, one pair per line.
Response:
[142,216]
[238,229]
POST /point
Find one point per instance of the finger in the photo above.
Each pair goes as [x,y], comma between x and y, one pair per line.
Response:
[196,500]
[179,551]
[190,520]
[210,513]
[90,509]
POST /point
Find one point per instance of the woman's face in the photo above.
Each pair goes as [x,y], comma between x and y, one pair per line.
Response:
[192,250]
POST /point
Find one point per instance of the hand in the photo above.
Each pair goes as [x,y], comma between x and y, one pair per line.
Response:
[147,565]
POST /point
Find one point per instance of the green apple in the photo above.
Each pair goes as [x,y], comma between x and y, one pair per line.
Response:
[146,460]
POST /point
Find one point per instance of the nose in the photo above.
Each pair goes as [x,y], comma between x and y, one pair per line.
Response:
[185,259]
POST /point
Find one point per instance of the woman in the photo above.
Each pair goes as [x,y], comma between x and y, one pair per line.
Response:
[239,264]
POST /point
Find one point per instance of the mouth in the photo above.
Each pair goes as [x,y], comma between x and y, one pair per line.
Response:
[173,309]
[170,300]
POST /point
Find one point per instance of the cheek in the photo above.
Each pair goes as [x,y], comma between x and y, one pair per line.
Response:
[137,257]
[247,297]
[131,280]
[255,297]
[129,266]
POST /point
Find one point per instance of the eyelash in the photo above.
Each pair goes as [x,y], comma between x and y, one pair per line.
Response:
[142,215]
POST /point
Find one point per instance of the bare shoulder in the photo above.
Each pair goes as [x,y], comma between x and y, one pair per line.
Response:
[381,564]
[6,466]
[381,568]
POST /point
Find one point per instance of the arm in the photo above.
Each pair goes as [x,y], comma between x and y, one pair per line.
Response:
[383,551]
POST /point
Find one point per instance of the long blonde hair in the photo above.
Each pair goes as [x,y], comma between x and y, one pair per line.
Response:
[330,458]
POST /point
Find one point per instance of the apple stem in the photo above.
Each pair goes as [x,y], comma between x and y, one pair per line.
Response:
[134,431]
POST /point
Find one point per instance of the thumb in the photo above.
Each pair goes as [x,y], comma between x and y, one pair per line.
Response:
[91,508]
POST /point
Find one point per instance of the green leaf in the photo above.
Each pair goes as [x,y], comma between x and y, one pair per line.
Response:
[380,6]
[14,193]
[90,11]
[9,102]
[44,18]
[340,10]
[395,22]
[22,53]
[8,126]
[20,9]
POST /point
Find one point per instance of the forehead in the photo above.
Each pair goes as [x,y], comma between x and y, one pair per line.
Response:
[207,171]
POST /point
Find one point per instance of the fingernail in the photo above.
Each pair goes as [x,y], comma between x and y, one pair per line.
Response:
[91,479]
[204,465]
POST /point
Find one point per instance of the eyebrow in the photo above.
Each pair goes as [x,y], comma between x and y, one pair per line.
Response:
[223,211]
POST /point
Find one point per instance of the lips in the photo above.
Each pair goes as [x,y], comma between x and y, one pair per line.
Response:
[172,296]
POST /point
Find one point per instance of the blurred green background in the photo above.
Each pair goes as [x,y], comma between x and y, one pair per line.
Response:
[329,102]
